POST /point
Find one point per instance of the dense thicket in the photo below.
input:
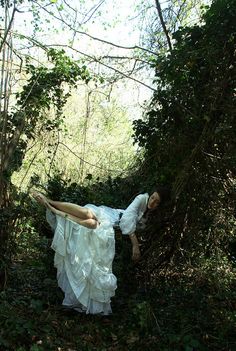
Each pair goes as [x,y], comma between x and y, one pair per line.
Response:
[189,135]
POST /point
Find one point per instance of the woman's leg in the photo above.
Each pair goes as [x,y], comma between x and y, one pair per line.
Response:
[88,223]
[67,207]
[81,215]
[73,209]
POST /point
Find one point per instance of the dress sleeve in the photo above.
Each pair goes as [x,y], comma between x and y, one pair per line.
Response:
[129,218]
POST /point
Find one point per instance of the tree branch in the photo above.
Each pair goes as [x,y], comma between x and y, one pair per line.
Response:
[105,65]
[92,37]
[91,164]
[8,29]
[163,24]
[93,9]
[44,47]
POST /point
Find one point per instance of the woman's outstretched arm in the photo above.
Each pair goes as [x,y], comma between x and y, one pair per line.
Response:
[135,247]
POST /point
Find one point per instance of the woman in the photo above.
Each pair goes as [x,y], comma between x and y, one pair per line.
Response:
[84,247]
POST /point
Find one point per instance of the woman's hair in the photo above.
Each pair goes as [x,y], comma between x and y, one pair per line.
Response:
[164,193]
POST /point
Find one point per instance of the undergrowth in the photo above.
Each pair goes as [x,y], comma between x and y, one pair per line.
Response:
[189,310]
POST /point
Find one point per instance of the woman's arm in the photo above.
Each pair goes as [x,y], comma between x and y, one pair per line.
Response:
[132,213]
[135,250]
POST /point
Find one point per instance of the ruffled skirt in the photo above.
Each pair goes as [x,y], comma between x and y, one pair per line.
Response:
[83,258]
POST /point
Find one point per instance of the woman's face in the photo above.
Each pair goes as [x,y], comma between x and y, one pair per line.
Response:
[153,201]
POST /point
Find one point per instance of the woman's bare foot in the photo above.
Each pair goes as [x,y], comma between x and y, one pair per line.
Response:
[40,198]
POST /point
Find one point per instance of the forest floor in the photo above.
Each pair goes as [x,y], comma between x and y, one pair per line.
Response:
[189,311]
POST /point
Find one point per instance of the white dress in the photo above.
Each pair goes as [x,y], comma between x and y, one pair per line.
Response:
[83,258]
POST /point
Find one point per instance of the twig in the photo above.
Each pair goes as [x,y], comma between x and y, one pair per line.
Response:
[95,38]
[44,47]
[94,9]
[91,164]
[30,164]
[158,326]
[54,152]
[104,64]
[213,156]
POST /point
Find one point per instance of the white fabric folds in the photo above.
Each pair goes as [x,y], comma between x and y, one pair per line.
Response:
[83,258]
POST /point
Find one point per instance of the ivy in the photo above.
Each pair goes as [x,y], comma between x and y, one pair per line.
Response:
[44,89]
[189,131]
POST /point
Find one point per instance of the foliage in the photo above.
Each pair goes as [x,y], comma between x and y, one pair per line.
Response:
[45,88]
[114,192]
[93,142]
[175,13]
[186,310]
[189,136]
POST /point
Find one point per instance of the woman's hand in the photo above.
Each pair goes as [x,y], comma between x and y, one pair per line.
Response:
[136,253]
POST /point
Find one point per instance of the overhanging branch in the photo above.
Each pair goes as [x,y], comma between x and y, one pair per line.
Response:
[91,36]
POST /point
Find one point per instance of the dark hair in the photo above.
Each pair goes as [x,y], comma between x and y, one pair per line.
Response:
[164,193]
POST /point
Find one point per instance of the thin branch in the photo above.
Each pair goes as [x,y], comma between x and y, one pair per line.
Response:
[75,19]
[30,164]
[134,65]
[44,47]
[54,152]
[70,7]
[95,38]
[118,71]
[85,130]
[212,156]
[111,57]
[180,10]
[15,52]
[104,64]
[163,24]
[94,9]
[157,324]
[91,164]
[7,88]
[9,27]
[2,112]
